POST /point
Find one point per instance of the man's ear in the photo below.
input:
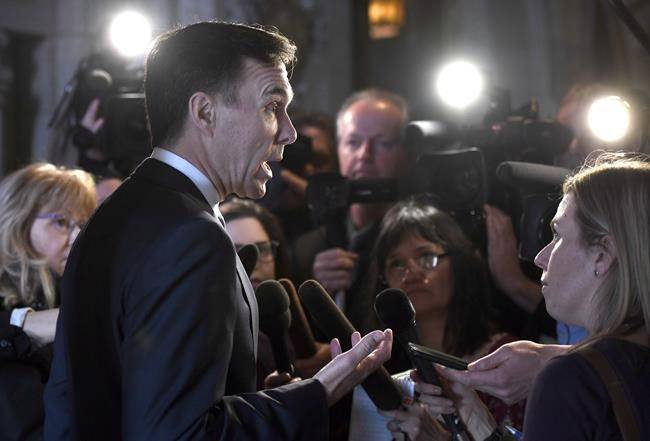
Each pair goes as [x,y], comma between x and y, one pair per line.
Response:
[202,112]
[607,254]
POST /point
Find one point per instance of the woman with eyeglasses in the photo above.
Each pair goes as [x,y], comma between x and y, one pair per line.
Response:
[423,251]
[250,223]
[42,209]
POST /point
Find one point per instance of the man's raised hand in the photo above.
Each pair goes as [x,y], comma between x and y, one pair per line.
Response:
[347,369]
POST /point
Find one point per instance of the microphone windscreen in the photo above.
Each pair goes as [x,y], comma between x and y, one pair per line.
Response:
[99,80]
[248,254]
[326,314]
[273,306]
[96,83]
[395,310]
[299,331]
[330,320]
[523,173]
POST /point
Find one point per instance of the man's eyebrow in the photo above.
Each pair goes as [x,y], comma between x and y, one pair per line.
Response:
[278,90]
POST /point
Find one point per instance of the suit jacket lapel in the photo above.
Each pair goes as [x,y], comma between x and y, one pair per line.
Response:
[167,176]
[249,294]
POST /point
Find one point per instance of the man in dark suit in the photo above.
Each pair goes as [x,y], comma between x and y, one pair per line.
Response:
[157,335]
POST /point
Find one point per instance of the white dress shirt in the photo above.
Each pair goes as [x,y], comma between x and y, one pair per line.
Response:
[194,174]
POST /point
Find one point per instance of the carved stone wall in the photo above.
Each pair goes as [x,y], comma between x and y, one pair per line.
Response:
[6,77]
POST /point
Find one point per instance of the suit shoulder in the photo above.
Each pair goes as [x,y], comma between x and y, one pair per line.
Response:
[196,234]
[142,196]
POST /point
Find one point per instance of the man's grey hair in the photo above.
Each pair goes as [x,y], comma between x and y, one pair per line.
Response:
[374,95]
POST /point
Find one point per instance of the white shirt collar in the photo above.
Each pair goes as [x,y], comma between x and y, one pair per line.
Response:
[194,174]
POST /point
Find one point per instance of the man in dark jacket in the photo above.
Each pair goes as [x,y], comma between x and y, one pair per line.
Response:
[157,336]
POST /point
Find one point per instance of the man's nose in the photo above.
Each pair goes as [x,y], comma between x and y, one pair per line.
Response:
[541,260]
[287,132]
[366,151]
[412,271]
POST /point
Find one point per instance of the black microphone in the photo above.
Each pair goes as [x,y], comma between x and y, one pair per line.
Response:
[248,254]
[396,311]
[534,175]
[299,331]
[275,318]
[328,317]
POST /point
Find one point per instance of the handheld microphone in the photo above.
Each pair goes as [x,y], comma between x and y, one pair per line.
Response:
[275,318]
[299,331]
[328,317]
[248,254]
[396,311]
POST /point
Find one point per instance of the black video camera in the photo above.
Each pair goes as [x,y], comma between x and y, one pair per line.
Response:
[124,138]
[455,181]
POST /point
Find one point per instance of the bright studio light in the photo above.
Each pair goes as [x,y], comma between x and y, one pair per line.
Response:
[130,33]
[459,84]
[609,118]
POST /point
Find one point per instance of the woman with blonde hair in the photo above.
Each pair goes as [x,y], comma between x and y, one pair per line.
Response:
[42,209]
[596,274]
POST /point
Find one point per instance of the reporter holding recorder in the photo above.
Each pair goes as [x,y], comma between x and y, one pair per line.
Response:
[596,274]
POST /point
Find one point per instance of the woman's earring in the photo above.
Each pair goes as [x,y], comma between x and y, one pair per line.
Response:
[596,273]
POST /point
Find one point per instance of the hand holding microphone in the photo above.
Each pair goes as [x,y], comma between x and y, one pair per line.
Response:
[477,417]
[396,311]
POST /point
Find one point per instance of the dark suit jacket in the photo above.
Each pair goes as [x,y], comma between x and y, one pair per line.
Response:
[159,326]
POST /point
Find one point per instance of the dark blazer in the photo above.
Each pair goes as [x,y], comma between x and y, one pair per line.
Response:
[158,328]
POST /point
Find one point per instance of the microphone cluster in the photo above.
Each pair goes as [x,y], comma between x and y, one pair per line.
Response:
[282,318]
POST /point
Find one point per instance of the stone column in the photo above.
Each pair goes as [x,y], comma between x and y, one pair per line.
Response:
[6,77]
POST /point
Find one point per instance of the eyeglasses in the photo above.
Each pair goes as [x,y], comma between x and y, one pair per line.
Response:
[397,268]
[267,249]
[62,223]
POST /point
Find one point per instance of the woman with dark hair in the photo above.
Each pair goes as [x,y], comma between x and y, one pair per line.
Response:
[423,251]
[249,223]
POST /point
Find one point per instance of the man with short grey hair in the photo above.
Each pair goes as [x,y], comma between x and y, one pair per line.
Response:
[370,132]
